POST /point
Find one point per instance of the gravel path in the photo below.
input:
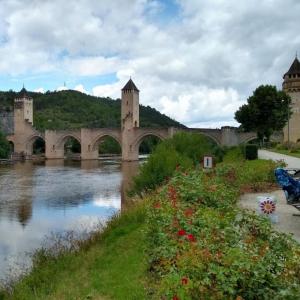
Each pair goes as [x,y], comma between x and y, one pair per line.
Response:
[292,162]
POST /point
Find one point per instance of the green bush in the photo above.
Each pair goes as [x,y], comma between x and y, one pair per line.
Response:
[183,151]
[251,151]
[279,147]
[160,165]
[234,154]
[201,246]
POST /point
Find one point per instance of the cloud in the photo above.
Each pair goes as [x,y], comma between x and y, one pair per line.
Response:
[80,88]
[39,90]
[197,66]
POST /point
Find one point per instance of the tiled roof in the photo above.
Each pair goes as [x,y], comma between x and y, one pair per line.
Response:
[130,86]
[294,69]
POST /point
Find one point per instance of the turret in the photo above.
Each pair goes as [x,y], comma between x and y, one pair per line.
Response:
[130,106]
[130,120]
[291,85]
[23,108]
[291,79]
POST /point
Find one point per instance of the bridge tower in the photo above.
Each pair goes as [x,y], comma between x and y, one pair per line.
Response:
[130,120]
[23,110]
[23,119]
[291,85]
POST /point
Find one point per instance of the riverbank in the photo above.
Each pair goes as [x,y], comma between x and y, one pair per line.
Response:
[109,265]
[186,239]
[165,244]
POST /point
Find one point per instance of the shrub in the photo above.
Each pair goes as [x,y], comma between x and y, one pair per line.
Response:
[234,154]
[160,165]
[279,147]
[183,151]
[251,151]
[202,247]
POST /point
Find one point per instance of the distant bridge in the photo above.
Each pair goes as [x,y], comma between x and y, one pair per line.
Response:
[129,136]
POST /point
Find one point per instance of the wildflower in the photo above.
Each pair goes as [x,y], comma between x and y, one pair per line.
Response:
[191,238]
[184,280]
[157,205]
[175,298]
[181,232]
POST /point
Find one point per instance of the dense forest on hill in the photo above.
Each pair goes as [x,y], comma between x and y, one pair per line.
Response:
[72,109]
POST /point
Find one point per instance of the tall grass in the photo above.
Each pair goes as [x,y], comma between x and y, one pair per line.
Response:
[108,265]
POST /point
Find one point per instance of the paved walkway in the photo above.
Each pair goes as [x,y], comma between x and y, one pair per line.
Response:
[286,221]
[292,162]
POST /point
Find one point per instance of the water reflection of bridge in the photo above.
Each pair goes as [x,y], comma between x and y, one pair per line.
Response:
[23,191]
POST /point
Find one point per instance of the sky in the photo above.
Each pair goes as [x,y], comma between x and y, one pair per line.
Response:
[196,61]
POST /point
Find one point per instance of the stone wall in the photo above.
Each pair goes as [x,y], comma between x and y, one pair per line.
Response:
[7,122]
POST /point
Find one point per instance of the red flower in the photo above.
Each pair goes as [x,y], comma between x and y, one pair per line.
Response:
[157,205]
[191,238]
[181,232]
[184,280]
[175,298]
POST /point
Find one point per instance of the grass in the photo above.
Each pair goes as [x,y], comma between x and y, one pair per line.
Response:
[110,265]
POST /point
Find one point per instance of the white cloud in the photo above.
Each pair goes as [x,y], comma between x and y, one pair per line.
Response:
[39,90]
[198,69]
[80,88]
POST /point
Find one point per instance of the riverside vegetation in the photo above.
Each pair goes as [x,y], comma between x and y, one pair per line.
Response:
[185,239]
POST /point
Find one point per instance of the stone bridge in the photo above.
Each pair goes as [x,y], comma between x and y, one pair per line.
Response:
[90,139]
[129,136]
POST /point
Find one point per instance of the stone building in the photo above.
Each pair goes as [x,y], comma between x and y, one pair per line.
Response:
[291,85]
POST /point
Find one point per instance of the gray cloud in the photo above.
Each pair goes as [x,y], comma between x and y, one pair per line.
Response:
[198,68]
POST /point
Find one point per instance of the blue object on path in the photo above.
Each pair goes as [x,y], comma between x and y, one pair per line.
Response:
[290,186]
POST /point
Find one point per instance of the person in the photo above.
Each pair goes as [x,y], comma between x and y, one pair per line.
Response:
[290,186]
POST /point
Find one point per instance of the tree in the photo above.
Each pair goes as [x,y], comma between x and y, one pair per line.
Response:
[267,110]
[4,146]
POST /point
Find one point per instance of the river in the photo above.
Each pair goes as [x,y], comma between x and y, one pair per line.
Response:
[39,199]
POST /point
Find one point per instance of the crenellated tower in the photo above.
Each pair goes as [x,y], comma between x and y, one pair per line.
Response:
[23,111]
[23,121]
[130,120]
[291,85]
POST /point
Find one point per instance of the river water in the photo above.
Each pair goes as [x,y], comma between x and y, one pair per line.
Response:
[38,199]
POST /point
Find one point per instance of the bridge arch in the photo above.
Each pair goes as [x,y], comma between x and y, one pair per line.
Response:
[62,140]
[99,138]
[210,136]
[139,140]
[30,142]
[248,139]
[12,146]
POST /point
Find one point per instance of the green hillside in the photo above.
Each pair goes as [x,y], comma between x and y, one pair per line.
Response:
[71,109]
